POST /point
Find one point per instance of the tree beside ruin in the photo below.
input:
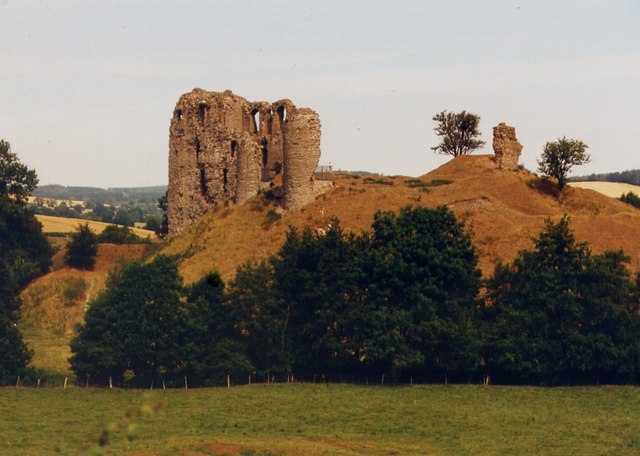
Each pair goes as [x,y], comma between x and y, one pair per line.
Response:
[560,156]
[459,133]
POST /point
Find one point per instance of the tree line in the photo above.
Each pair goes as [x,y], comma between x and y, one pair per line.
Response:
[403,302]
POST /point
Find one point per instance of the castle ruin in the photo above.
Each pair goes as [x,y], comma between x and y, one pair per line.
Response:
[506,147]
[224,149]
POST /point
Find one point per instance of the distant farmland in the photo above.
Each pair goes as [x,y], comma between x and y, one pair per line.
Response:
[611,189]
[52,224]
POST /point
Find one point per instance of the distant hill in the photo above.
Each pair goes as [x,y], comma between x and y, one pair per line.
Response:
[110,195]
[631,176]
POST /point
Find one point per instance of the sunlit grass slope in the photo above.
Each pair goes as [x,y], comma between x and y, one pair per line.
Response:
[502,211]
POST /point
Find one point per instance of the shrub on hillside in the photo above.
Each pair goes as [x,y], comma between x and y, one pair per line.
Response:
[631,198]
[82,248]
[114,234]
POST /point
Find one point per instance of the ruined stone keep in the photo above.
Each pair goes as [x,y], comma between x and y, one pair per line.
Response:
[223,149]
[506,146]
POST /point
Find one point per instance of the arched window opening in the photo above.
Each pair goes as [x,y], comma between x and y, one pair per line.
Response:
[282,113]
[203,182]
[202,111]
[224,180]
[234,148]
[197,149]
[178,114]
[255,115]
[265,155]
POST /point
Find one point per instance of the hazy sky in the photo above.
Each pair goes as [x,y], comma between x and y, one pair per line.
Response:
[87,88]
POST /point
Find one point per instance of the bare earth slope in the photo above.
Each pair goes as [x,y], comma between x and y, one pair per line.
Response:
[502,211]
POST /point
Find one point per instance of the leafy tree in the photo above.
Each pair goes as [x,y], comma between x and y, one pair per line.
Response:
[459,133]
[560,156]
[631,198]
[262,317]
[83,248]
[138,324]
[25,254]
[163,204]
[215,348]
[560,314]
[16,179]
[15,354]
[114,234]
[423,281]
[315,278]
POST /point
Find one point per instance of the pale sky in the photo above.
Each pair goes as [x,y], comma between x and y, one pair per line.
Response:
[87,88]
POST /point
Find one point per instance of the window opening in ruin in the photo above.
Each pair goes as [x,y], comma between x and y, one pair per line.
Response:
[178,114]
[197,149]
[255,114]
[203,182]
[202,110]
[277,167]
[282,113]
[265,155]
[224,180]
[234,147]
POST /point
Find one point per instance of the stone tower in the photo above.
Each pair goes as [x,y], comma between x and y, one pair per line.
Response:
[223,149]
[506,146]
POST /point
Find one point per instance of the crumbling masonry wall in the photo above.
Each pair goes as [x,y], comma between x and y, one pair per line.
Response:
[223,149]
[506,146]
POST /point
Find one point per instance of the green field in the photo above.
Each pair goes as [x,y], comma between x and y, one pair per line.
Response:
[332,419]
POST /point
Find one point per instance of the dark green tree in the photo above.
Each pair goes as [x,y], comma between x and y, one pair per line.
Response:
[214,347]
[16,180]
[315,277]
[25,254]
[138,324]
[560,156]
[163,204]
[15,354]
[82,248]
[459,133]
[262,318]
[423,280]
[630,198]
[559,314]
[114,234]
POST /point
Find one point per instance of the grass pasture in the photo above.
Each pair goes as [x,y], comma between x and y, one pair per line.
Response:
[334,419]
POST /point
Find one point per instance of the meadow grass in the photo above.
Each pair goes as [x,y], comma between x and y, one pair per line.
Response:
[329,419]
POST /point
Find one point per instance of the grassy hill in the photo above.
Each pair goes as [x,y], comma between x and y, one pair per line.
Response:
[502,211]
[54,304]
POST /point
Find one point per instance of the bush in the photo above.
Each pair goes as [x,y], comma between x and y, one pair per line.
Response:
[82,248]
[631,198]
[114,234]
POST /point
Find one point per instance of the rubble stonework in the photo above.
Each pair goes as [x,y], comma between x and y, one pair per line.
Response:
[506,146]
[223,149]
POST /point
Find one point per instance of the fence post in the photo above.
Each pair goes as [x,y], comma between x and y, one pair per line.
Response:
[228,381]
[186,386]
[110,382]
[18,382]
[65,382]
